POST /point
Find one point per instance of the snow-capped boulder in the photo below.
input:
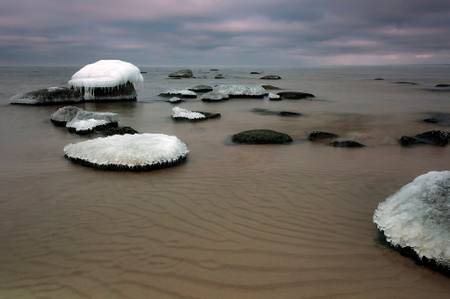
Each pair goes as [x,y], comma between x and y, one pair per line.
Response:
[214,97]
[185,114]
[241,91]
[48,96]
[107,80]
[135,152]
[63,115]
[181,74]
[416,220]
[181,93]
[87,121]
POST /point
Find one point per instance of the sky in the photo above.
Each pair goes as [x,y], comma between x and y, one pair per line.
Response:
[225,32]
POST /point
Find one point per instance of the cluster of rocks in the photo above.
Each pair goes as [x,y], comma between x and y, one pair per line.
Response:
[322,136]
[435,137]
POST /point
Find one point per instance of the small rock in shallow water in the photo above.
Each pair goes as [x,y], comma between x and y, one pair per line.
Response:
[201,88]
[274,97]
[442,85]
[261,136]
[219,76]
[213,97]
[319,135]
[347,143]
[185,114]
[118,131]
[295,95]
[273,112]
[270,77]
[64,115]
[438,118]
[270,87]
[181,74]
[378,79]
[175,100]
[48,96]
[181,93]
[405,83]
[255,73]
[437,138]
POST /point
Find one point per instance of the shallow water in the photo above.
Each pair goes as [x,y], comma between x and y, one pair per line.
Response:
[292,221]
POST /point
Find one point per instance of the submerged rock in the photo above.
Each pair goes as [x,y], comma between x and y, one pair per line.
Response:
[270,87]
[270,77]
[64,115]
[135,152]
[201,88]
[274,112]
[347,143]
[185,114]
[255,73]
[241,91]
[181,93]
[406,83]
[186,73]
[435,137]
[48,96]
[118,131]
[219,76]
[213,70]
[416,220]
[295,95]
[438,118]
[320,135]
[175,100]
[261,136]
[442,85]
[378,79]
[86,122]
[215,97]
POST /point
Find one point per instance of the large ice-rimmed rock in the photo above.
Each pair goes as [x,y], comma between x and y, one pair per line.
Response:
[107,80]
[241,91]
[135,152]
[48,96]
[416,220]
[179,113]
[181,93]
[63,115]
[86,122]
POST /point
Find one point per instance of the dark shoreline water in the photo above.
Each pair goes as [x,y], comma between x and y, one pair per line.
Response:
[291,221]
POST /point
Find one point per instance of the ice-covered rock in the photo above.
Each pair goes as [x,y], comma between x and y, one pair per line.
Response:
[241,91]
[416,220]
[63,115]
[135,152]
[87,121]
[175,100]
[107,80]
[48,96]
[181,93]
[214,97]
[274,97]
[185,114]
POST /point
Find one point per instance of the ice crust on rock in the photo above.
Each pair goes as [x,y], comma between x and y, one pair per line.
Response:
[179,113]
[86,121]
[133,152]
[418,217]
[64,115]
[107,74]
[273,96]
[179,93]
[238,90]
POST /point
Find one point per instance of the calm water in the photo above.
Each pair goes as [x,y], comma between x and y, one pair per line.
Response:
[290,221]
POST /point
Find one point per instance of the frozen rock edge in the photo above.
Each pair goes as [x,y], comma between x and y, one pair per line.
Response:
[138,152]
[416,220]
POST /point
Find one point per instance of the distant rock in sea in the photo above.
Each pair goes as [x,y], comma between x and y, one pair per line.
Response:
[132,152]
[181,93]
[255,73]
[378,79]
[435,137]
[185,73]
[261,136]
[347,143]
[213,97]
[270,77]
[270,87]
[415,220]
[201,88]
[442,85]
[185,114]
[295,95]
[274,112]
[219,76]
[320,135]
[214,70]
[438,118]
[241,91]
[406,83]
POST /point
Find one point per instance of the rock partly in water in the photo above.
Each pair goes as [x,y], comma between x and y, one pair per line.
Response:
[185,114]
[270,77]
[175,100]
[261,136]
[270,87]
[274,97]
[86,122]
[181,93]
[186,73]
[241,91]
[64,115]
[219,76]
[201,88]
[378,79]
[415,221]
[406,83]
[295,95]
[255,73]
[107,80]
[320,135]
[48,96]
[438,118]
[136,152]
[213,97]
[274,112]
[347,143]
[435,137]
[214,70]
[442,85]
[118,131]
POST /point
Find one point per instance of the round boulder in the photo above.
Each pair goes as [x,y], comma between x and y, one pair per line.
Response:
[261,136]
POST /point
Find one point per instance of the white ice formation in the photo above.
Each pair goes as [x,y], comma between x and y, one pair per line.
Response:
[180,113]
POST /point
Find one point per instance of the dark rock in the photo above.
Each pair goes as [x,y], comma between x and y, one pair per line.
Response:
[270,87]
[405,83]
[319,135]
[117,131]
[378,79]
[273,112]
[439,118]
[442,85]
[186,73]
[143,72]
[347,143]
[270,77]
[431,120]
[214,97]
[295,95]
[48,96]
[437,138]
[219,76]
[289,113]
[213,70]
[255,73]
[261,136]
[124,92]
[201,88]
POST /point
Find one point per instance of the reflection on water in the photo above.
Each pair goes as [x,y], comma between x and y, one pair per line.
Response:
[290,221]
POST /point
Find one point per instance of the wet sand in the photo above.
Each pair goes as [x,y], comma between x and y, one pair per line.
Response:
[234,221]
